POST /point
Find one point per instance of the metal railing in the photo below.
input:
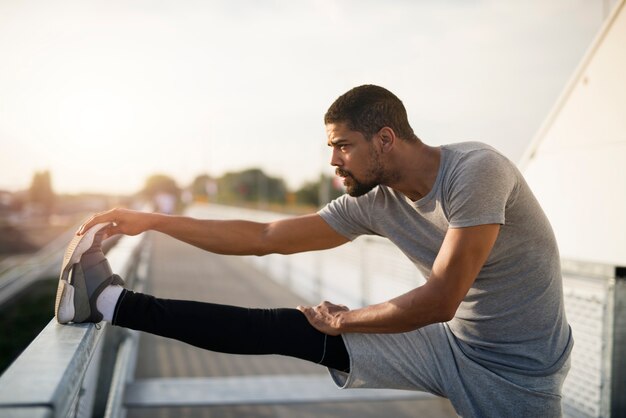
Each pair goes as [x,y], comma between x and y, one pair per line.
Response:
[56,375]
[15,277]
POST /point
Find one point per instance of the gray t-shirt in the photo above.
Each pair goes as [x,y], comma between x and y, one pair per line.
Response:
[512,317]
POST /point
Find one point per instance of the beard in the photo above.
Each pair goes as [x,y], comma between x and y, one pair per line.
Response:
[356,188]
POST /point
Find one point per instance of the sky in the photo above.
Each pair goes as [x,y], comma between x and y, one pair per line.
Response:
[105,93]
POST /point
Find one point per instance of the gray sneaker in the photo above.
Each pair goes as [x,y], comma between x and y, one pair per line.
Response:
[85,272]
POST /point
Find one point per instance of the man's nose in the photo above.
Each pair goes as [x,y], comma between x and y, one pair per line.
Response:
[335,160]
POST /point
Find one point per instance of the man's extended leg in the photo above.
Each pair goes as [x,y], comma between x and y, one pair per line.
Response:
[231,329]
[89,292]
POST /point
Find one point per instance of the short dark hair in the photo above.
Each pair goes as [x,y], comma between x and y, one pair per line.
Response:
[367,109]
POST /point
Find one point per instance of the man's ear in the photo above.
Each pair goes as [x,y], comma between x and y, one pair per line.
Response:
[387,138]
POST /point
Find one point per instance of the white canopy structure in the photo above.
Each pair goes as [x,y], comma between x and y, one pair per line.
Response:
[576,165]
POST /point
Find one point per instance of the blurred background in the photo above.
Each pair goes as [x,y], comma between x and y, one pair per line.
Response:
[105,102]
[120,103]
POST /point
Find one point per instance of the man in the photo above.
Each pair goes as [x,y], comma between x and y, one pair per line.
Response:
[487,330]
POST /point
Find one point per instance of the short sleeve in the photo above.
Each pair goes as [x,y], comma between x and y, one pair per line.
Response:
[481,187]
[349,216]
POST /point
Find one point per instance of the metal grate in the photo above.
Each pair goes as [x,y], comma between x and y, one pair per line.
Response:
[585,306]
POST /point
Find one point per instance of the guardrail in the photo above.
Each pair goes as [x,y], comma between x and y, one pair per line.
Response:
[56,376]
[15,277]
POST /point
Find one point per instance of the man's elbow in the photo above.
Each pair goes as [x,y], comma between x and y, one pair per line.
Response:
[267,243]
[445,311]
[262,248]
[275,239]
[436,316]
[444,301]
[438,312]
[447,315]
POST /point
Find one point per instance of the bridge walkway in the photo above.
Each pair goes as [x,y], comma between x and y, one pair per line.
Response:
[180,271]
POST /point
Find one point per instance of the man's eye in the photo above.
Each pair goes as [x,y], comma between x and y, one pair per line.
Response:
[343,147]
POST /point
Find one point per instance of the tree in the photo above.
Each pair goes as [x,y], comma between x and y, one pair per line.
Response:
[203,187]
[318,193]
[163,191]
[251,185]
[41,193]
[160,183]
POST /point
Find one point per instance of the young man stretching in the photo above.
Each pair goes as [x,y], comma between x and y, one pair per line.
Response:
[487,330]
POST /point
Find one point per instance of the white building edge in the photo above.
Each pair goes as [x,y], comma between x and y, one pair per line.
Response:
[576,164]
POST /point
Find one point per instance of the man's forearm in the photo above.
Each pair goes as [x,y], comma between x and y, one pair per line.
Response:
[233,237]
[404,313]
[422,306]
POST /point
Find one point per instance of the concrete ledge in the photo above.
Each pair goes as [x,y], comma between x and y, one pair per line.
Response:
[49,371]
[252,390]
[35,412]
[54,375]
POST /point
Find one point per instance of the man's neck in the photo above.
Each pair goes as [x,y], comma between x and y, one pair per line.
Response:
[417,169]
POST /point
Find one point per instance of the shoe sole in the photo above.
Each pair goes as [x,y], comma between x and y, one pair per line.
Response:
[64,303]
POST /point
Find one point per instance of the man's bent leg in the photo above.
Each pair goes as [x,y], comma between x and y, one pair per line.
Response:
[431,359]
[231,329]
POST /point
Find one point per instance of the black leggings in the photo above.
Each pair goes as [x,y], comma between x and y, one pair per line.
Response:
[231,329]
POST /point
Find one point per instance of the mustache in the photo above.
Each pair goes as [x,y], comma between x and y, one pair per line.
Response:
[342,173]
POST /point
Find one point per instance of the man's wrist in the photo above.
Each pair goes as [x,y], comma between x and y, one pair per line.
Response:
[341,321]
[155,222]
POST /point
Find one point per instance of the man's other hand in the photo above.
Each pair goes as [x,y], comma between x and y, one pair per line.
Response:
[325,317]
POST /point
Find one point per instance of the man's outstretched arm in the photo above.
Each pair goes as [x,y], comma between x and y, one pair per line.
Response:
[234,237]
[460,258]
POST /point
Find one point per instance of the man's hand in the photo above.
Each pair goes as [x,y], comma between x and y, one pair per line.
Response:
[128,222]
[325,317]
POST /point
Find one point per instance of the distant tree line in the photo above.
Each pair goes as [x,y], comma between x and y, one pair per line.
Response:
[240,187]
[245,187]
